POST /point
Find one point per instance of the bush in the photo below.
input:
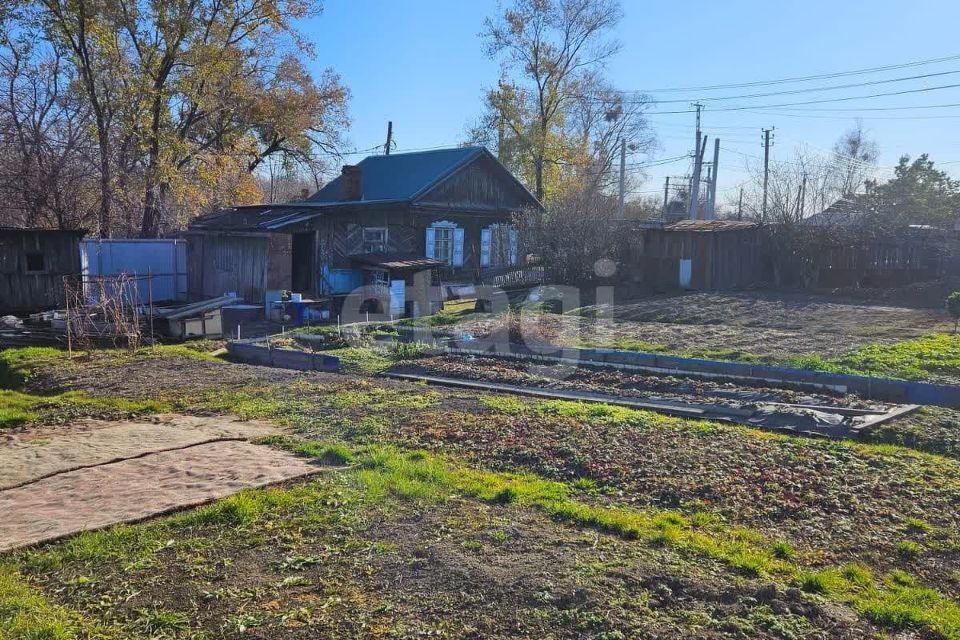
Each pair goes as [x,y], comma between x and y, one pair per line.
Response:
[408,350]
[953,308]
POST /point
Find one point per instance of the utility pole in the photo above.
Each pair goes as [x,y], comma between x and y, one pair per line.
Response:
[695,181]
[740,206]
[803,198]
[766,170]
[621,211]
[697,162]
[666,198]
[712,185]
[386,147]
[705,213]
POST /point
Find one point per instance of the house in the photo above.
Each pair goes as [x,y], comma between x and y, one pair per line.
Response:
[846,212]
[389,228]
[33,263]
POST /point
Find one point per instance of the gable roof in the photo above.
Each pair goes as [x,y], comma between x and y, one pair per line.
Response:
[398,178]
[845,212]
[407,176]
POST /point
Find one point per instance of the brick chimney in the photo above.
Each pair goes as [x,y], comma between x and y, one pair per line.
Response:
[352,181]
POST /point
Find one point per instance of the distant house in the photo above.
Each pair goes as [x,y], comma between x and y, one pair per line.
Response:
[392,223]
[845,212]
[847,246]
[33,263]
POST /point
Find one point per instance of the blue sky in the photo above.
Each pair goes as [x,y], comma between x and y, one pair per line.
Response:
[421,64]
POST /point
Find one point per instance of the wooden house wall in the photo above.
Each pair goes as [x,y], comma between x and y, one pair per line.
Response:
[480,186]
[24,292]
[218,263]
[340,236]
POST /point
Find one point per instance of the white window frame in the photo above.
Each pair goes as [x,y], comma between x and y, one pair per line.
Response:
[445,242]
[375,245]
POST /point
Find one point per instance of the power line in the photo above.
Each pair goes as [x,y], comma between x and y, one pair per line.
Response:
[824,76]
[817,89]
[821,101]
[921,106]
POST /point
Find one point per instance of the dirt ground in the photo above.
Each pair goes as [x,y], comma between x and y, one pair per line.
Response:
[756,322]
[327,564]
[407,570]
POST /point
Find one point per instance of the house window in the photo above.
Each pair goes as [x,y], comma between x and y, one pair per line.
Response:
[443,244]
[374,240]
[378,278]
[498,246]
[35,262]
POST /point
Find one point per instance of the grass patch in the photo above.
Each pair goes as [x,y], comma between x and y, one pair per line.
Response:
[909,548]
[362,360]
[917,359]
[19,409]
[18,365]
[25,614]
[383,474]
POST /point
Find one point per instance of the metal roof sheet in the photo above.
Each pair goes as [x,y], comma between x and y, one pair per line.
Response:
[400,176]
[711,225]
[396,260]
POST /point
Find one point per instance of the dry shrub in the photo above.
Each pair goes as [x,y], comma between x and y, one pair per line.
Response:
[530,327]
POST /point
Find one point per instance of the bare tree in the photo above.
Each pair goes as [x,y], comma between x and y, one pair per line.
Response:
[556,119]
[45,169]
[854,157]
[571,236]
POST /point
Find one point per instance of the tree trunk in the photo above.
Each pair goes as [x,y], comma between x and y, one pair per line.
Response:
[106,195]
[538,178]
[152,200]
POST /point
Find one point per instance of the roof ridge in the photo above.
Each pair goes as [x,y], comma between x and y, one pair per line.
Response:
[473,147]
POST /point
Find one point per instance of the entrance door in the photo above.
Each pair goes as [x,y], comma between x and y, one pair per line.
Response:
[302,268]
[686,273]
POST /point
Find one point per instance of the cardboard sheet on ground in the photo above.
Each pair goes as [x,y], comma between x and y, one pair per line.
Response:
[40,452]
[134,489]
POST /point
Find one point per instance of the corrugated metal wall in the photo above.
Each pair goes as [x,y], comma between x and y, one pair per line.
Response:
[165,260]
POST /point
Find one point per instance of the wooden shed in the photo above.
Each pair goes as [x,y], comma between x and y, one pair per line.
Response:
[33,263]
[695,254]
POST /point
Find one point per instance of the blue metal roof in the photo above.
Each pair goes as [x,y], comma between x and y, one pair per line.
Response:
[400,176]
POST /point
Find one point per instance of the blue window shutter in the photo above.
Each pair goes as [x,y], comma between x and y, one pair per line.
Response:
[431,242]
[485,235]
[458,247]
[514,247]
